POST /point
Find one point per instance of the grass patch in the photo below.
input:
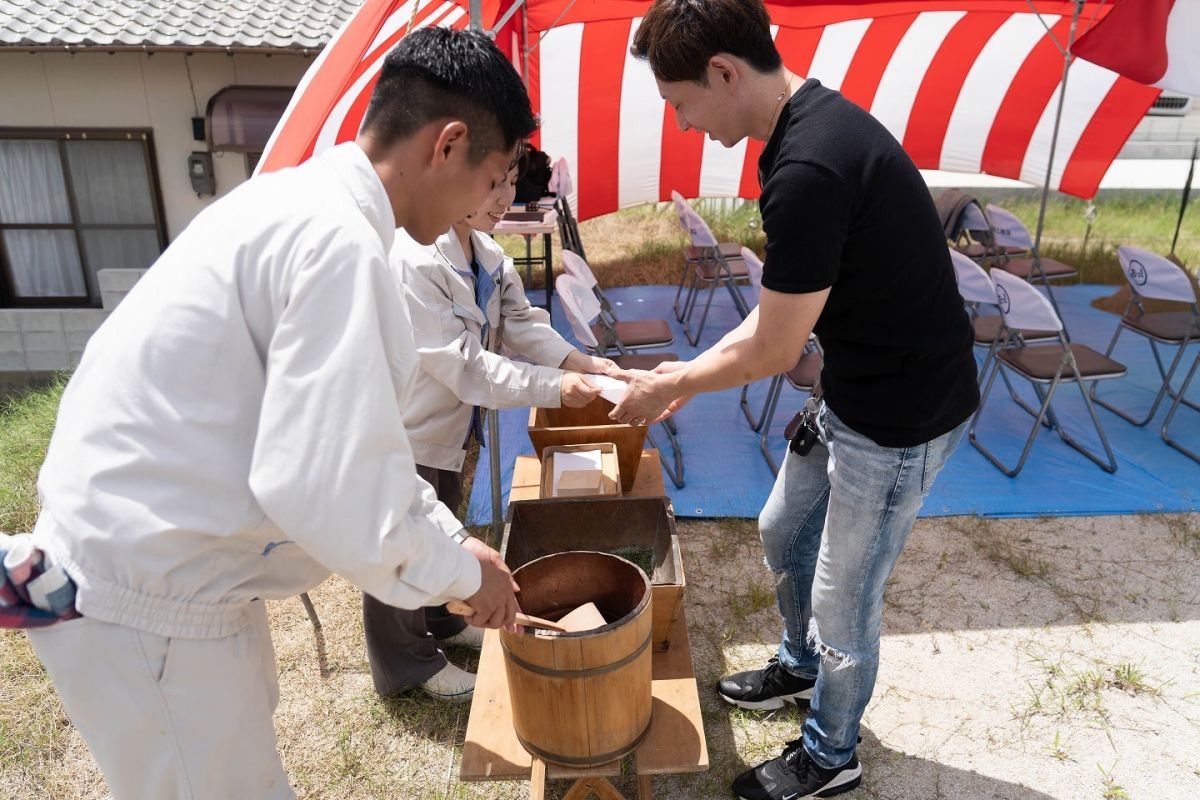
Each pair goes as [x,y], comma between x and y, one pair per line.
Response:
[26,422]
[1065,695]
[641,246]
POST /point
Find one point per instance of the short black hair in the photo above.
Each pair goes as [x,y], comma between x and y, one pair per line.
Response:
[438,73]
[678,37]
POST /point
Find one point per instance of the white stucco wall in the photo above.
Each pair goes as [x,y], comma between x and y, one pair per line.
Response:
[136,90]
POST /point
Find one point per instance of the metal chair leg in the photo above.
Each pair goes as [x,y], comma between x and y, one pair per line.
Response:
[767,417]
[311,610]
[674,466]
[757,426]
[683,276]
[1011,472]
[1164,388]
[694,340]
[1179,400]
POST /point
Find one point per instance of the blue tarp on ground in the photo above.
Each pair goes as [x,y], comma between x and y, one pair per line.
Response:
[726,475]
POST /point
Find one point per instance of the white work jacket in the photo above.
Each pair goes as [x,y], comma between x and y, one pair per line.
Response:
[234,430]
[458,369]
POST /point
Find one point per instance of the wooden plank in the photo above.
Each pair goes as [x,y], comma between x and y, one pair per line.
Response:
[676,740]
[644,792]
[599,788]
[527,478]
[537,780]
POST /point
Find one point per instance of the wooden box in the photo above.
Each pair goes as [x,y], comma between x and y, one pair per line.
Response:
[631,527]
[604,481]
[551,427]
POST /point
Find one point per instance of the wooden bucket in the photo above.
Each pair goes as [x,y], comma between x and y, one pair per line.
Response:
[581,699]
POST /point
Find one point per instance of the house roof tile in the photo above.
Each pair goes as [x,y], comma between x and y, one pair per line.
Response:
[276,24]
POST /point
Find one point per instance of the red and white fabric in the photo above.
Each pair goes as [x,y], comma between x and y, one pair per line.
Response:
[1150,41]
[964,85]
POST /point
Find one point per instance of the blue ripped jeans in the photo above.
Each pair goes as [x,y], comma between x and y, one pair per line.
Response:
[832,531]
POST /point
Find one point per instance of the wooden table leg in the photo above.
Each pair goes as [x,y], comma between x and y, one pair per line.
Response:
[537,780]
[644,787]
[589,787]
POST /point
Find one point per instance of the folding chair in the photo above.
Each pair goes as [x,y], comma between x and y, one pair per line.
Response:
[801,377]
[1155,277]
[1045,367]
[692,254]
[633,334]
[715,269]
[977,290]
[1192,454]
[562,187]
[977,240]
[581,307]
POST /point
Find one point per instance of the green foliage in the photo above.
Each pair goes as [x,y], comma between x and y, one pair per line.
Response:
[26,422]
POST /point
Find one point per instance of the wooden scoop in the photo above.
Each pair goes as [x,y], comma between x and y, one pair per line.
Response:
[464,610]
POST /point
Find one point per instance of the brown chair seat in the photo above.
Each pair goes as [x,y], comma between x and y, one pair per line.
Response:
[1166,326]
[1039,363]
[804,374]
[711,271]
[1023,268]
[988,328]
[646,361]
[639,333]
[976,250]
[728,249]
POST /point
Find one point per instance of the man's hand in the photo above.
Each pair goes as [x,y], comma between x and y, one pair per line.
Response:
[495,603]
[651,397]
[576,391]
[581,362]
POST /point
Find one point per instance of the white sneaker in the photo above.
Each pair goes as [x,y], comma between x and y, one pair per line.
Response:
[469,636]
[451,684]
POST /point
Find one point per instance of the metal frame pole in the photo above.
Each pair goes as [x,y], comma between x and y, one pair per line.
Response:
[493,426]
[1062,96]
[476,8]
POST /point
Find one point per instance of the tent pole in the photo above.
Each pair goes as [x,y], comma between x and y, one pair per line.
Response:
[1187,190]
[525,44]
[493,426]
[476,8]
[1062,95]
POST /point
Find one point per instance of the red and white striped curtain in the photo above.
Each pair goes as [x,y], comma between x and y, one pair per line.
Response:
[969,86]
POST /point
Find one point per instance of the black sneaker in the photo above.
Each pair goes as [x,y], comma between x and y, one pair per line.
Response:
[766,688]
[795,776]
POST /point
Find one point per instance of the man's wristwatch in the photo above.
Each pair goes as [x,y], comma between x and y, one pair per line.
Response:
[460,537]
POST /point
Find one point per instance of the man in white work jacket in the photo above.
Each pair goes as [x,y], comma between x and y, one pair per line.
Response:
[234,433]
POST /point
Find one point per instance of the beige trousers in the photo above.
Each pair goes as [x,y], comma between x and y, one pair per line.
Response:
[169,718]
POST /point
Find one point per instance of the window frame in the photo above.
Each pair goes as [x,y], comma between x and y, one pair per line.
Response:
[8,295]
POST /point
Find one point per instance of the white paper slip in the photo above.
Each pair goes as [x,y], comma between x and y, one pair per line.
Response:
[611,389]
[580,460]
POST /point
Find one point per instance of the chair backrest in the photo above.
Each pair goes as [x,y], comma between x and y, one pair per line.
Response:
[560,179]
[581,307]
[1154,276]
[973,283]
[577,268]
[973,221]
[1007,229]
[1022,305]
[697,228]
[754,266]
[681,209]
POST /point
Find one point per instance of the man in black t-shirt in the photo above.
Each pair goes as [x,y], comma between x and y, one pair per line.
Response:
[856,254]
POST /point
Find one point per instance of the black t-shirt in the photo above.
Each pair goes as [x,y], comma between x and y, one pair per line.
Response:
[845,208]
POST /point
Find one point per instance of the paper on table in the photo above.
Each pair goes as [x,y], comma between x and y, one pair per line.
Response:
[611,389]
[583,459]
